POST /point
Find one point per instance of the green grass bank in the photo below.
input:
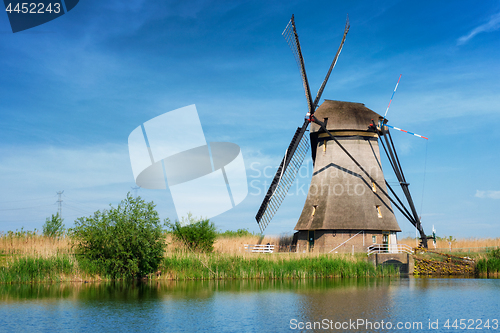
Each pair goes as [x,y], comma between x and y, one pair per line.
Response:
[29,269]
[278,266]
[194,266]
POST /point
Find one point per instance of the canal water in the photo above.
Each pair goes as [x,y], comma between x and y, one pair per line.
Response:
[343,305]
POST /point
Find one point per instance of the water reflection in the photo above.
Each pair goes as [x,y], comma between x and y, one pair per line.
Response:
[183,289]
[243,305]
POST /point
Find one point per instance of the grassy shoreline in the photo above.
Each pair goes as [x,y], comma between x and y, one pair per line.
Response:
[30,258]
[191,266]
[265,266]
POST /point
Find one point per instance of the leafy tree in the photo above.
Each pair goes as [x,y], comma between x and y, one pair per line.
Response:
[197,235]
[53,226]
[127,241]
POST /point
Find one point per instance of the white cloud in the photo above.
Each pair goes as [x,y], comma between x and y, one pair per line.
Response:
[492,25]
[487,194]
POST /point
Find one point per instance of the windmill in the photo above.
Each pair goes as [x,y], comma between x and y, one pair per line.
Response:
[345,141]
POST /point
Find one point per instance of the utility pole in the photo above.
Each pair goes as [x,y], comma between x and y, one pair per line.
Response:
[59,203]
[135,188]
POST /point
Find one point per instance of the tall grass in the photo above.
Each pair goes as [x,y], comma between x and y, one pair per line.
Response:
[489,265]
[195,266]
[462,245]
[57,268]
[184,266]
[31,257]
[32,243]
[37,269]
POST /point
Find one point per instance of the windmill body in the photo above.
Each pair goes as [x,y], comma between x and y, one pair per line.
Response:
[342,201]
[348,194]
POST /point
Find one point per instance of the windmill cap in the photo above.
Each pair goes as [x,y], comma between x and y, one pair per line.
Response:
[344,116]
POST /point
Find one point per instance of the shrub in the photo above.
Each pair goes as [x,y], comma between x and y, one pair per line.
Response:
[199,236]
[53,226]
[127,241]
[237,233]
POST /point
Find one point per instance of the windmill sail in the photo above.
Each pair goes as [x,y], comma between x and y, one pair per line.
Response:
[292,38]
[284,177]
[294,155]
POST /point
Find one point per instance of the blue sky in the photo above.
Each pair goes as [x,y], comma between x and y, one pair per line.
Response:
[73,89]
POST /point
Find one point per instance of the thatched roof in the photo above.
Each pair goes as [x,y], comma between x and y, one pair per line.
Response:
[344,116]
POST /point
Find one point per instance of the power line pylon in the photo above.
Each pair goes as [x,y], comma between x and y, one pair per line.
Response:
[135,188]
[59,203]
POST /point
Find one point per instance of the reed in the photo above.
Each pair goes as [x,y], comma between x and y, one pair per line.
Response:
[31,257]
[185,266]
[23,269]
[490,265]
[31,243]
[57,268]
[196,266]
[462,245]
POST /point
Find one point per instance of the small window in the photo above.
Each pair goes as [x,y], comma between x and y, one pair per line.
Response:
[374,239]
[324,145]
[314,210]
[379,212]
[374,187]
